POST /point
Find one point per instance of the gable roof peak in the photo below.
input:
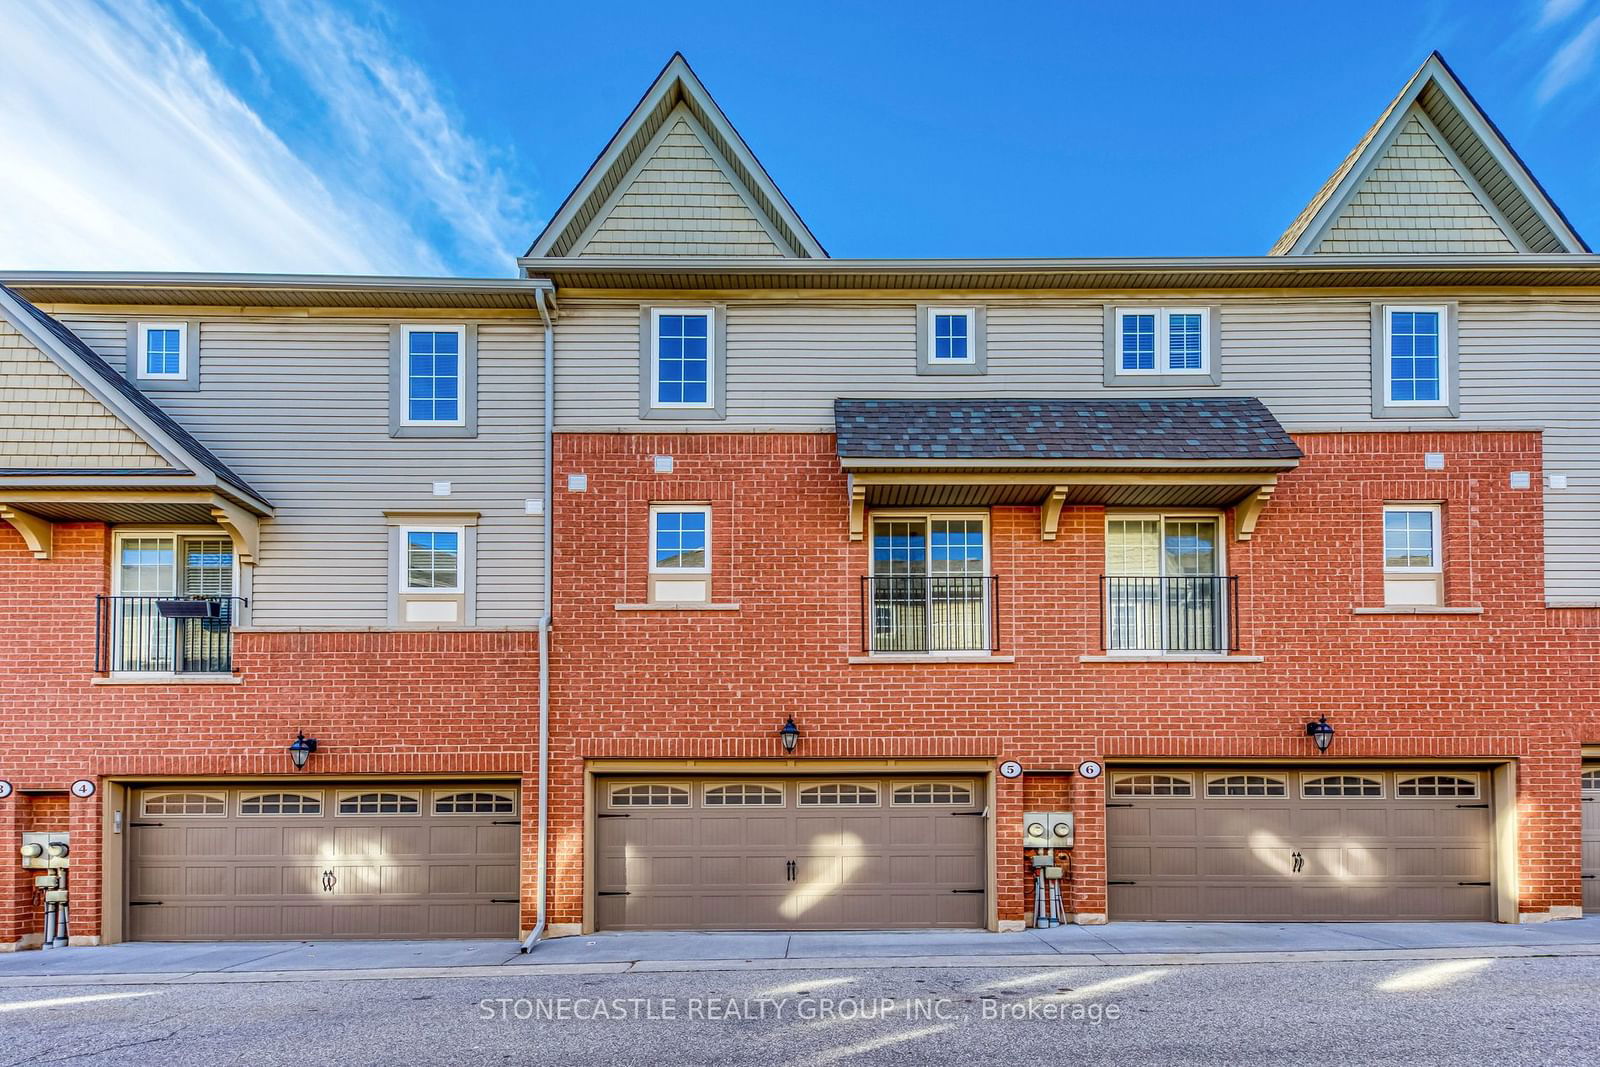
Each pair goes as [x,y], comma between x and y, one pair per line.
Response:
[1513,211]
[737,194]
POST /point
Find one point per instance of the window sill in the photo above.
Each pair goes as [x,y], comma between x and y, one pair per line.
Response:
[1421,609]
[1158,658]
[929,657]
[167,679]
[687,606]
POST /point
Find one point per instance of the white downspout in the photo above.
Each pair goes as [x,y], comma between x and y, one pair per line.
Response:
[543,879]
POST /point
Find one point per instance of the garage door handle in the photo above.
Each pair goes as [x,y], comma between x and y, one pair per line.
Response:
[1588,876]
[613,815]
[146,824]
[145,903]
[329,880]
[1122,883]
[966,890]
[1472,883]
[504,900]
[612,893]
[1472,805]
[1119,805]
[506,822]
[971,814]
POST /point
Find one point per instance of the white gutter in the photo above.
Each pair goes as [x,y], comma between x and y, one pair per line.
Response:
[543,880]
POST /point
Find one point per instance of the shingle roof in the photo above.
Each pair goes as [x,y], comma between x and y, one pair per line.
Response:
[1116,428]
[134,396]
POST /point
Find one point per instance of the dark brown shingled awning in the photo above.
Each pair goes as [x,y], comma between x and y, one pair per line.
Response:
[1215,452]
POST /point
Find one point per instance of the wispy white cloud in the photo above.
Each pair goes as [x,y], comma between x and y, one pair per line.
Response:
[1554,11]
[1572,62]
[124,147]
[388,111]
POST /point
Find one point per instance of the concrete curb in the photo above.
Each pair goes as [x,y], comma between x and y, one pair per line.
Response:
[1055,960]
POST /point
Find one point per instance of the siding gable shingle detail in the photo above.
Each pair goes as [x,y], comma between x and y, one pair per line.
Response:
[1415,200]
[50,422]
[680,202]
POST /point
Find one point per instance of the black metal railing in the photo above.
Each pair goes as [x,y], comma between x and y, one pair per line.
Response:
[927,613]
[166,634]
[1169,615]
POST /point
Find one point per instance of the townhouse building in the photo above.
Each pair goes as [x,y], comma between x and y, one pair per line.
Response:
[1244,588]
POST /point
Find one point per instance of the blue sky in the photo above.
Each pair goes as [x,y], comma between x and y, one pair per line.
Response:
[435,138]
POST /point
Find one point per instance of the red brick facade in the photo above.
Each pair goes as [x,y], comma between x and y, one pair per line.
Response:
[441,703]
[673,685]
[682,684]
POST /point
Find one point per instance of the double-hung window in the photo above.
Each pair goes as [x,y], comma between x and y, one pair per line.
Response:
[1414,370]
[1165,589]
[433,358]
[1414,356]
[929,589]
[432,557]
[1413,563]
[433,560]
[680,553]
[681,361]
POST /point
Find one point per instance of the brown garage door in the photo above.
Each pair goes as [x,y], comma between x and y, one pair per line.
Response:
[789,854]
[1591,837]
[1346,843]
[273,862]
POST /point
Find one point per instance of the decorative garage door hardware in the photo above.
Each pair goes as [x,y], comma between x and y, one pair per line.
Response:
[878,852]
[1288,844]
[274,861]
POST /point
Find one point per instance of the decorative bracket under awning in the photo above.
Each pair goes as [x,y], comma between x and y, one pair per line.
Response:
[1246,491]
[33,513]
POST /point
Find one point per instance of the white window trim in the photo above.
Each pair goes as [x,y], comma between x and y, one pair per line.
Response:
[616,789]
[1445,356]
[1307,779]
[1130,779]
[440,794]
[177,534]
[144,804]
[913,783]
[707,787]
[1471,779]
[256,794]
[1163,517]
[968,313]
[405,374]
[404,576]
[1268,781]
[349,794]
[655,511]
[929,518]
[140,360]
[655,358]
[1438,539]
[875,787]
[1164,340]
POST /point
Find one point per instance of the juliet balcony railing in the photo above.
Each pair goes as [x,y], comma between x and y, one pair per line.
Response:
[930,614]
[165,634]
[1169,616]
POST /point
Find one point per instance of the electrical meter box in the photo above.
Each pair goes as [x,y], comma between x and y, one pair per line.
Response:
[1036,829]
[1061,828]
[40,843]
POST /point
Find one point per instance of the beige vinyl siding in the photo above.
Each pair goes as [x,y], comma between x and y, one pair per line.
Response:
[299,407]
[1414,200]
[49,421]
[680,203]
[1525,362]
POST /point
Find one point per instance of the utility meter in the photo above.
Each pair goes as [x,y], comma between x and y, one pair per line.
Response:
[1061,827]
[44,850]
[1036,830]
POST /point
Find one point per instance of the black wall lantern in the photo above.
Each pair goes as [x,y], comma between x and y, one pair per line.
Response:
[301,750]
[1320,732]
[789,735]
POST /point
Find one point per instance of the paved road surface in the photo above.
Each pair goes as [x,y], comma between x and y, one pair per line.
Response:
[1503,1011]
